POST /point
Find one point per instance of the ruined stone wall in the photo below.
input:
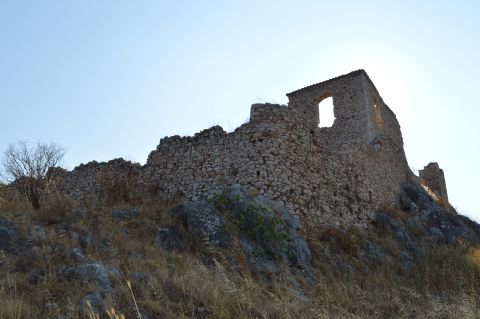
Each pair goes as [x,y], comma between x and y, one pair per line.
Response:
[433,177]
[327,176]
[110,182]
[360,113]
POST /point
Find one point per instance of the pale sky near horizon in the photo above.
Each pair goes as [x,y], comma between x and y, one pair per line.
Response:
[109,78]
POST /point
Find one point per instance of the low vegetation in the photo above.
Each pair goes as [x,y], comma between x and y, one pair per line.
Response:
[155,283]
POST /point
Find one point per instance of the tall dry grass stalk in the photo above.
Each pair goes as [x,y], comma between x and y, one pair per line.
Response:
[129,284]
[13,305]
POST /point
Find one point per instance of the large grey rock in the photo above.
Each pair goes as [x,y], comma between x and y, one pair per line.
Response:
[100,275]
[269,237]
[412,192]
[437,223]
[266,229]
[170,239]
[93,272]
[422,223]
[202,221]
[374,253]
[8,235]
[397,229]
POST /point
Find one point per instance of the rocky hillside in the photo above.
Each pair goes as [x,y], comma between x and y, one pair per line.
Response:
[236,256]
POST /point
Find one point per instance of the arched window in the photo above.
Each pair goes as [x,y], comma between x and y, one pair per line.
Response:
[325,110]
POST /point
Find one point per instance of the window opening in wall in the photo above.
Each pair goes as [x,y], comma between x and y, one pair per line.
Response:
[325,110]
[378,113]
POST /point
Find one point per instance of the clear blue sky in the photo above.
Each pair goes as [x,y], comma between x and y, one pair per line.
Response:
[110,78]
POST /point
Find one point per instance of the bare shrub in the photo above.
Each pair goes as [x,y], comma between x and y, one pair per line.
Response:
[28,168]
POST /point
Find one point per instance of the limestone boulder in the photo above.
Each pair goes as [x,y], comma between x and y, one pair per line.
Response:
[8,235]
[265,229]
[202,222]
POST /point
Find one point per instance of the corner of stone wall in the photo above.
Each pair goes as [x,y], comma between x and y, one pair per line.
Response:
[434,178]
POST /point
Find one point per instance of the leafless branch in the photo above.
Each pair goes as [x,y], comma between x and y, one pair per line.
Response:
[27,168]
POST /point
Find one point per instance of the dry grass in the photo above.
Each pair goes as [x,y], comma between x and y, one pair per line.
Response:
[343,240]
[395,213]
[13,304]
[446,284]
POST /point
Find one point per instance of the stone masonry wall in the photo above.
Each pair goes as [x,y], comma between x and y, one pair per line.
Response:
[107,183]
[432,176]
[327,176]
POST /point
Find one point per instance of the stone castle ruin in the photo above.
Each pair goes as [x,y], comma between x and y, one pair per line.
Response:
[338,175]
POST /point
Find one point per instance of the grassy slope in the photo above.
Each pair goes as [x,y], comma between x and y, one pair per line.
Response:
[445,284]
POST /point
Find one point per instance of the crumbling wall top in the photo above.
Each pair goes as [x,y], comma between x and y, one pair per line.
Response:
[315,86]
